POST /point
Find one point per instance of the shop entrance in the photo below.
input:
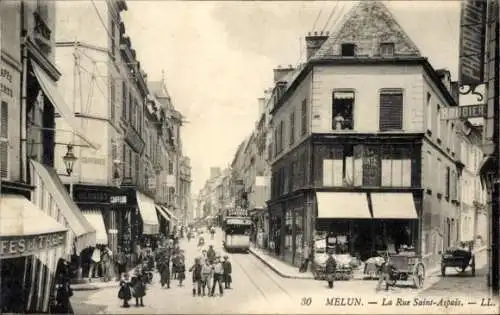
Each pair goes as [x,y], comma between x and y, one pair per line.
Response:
[12,292]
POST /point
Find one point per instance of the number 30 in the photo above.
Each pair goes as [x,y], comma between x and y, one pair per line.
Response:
[306,301]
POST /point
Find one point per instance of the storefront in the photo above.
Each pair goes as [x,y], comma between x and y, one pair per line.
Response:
[364,224]
[31,245]
[167,220]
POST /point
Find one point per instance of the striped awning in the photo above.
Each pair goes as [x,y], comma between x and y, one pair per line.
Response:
[162,212]
[148,214]
[96,219]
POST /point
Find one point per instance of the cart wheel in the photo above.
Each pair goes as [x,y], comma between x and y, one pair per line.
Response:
[419,275]
[473,267]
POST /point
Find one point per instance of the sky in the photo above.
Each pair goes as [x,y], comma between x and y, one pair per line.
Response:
[218,57]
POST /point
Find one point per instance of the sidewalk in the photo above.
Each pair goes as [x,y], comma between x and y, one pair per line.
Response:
[97,283]
[286,270]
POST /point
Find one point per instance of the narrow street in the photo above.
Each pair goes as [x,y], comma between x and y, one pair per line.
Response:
[258,289]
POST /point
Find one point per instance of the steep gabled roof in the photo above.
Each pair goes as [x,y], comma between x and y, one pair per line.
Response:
[367,25]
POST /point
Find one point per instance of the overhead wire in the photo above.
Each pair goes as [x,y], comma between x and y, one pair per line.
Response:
[336,17]
[334,9]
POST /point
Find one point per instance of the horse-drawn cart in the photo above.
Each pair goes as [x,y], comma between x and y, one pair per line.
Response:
[460,258]
[408,267]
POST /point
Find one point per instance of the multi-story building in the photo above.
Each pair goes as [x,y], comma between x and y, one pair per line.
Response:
[185,189]
[40,223]
[360,144]
[133,174]
[473,224]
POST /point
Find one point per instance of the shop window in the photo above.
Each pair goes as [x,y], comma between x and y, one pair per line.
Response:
[348,50]
[343,110]
[299,230]
[371,166]
[396,166]
[391,110]
[4,138]
[288,230]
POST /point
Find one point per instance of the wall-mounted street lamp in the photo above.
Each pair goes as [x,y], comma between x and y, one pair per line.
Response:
[69,160]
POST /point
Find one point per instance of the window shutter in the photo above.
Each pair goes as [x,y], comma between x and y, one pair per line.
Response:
[4,137]
[328,173]
[391,111]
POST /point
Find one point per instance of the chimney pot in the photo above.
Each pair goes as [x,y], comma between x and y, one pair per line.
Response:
[315,33]
[308,33]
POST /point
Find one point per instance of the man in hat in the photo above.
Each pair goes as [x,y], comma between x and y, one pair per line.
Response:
[388,270]
[218,276]
[227,268]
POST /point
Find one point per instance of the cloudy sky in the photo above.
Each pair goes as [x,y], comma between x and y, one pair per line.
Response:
[218,57]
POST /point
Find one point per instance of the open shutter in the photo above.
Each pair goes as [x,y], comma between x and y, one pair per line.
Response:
[4,137]
[391,110]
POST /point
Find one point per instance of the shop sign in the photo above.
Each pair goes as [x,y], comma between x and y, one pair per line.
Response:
[6,83]
[92,196]
[118,200]
[237,212]
[465,111]
[133,138]
[29,245]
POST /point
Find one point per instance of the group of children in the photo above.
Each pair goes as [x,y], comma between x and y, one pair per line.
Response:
[135,287]
[208,273]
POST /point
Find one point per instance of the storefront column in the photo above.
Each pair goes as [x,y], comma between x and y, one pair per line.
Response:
[113,231]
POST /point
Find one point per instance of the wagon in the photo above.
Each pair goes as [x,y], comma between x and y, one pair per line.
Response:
[343,272]
[460,259]
[408,267]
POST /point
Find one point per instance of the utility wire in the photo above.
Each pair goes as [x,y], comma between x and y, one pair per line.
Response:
[334,9]
[317,19]
[337,17]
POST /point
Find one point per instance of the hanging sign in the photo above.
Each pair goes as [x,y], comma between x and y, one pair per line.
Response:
[466,111]
[30,244]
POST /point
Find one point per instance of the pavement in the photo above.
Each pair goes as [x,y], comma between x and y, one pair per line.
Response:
[258,289]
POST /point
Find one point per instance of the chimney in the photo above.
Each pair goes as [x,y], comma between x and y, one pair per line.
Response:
[314,41]
[280,72]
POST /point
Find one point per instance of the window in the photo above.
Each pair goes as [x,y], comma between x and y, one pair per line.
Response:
[387,49]
[348,50]
[391,110]
[137,166]
[438,173]
[124,101]
[170,168]
[304,117]
[130,163]
[429,112]
[112,97]
[130,106]
[281,136]
[276,142]
[396,166]
[438,118]
[343,110]
[447,179]
[429,168]
[113,38]
[292,128]
[124,160]
[452,137]
[4,140]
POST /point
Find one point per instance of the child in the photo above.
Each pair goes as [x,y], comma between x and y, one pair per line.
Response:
[124,293]
[197,280]
[206,276]
[139,289]
[226,265]
[387,271]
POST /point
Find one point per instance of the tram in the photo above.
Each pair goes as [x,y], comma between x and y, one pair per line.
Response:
[237,233]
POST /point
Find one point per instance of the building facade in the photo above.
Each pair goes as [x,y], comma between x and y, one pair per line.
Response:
[360,144]
[52,227]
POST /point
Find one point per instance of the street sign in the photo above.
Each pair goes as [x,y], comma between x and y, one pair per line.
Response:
[466,111]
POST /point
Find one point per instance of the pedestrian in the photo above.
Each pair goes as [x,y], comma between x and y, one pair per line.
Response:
[139,288]
[164,269]
[305,262]
[95,261]
[218,274]
[212,232]
[211,254]
[121,264]
[181,269]
[206,276]
[106,257]
[226,266]
[125,292]
[196,276]
[330,269]
[386,276]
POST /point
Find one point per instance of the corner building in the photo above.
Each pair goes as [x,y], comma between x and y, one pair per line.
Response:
[361,151]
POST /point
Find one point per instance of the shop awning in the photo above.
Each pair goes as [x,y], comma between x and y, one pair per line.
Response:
[148,214]
[170,214]
[162,213]
[20,217]
[95,219]
[45,178]
[393,206]
[342,205]
[50,90]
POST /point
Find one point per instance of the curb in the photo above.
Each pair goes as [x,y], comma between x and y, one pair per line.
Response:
[279,273]
[432,272]
[98,285]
